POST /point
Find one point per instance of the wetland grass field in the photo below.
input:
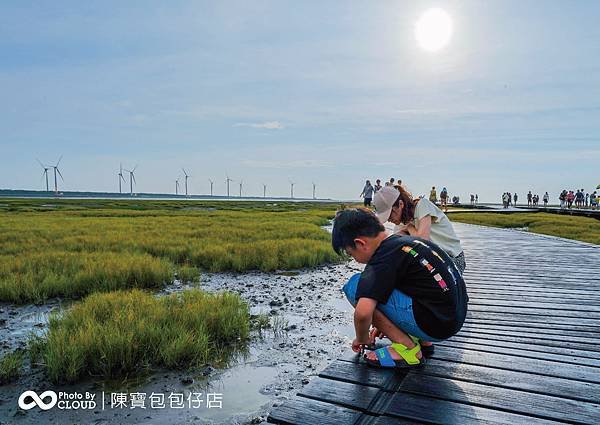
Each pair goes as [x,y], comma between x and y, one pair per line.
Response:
[113,254]
[583,229]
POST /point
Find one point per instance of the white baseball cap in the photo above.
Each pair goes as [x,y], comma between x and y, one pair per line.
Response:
[383,201]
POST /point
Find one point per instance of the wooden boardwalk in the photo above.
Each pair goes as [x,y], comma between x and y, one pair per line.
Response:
[527,354]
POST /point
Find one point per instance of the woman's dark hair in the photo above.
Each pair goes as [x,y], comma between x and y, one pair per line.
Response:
[352,223]
[408,212]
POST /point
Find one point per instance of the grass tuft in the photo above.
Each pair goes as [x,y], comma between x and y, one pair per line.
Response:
[120,333]
[10,367]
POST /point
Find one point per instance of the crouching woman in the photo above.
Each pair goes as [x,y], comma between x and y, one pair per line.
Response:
[410,290]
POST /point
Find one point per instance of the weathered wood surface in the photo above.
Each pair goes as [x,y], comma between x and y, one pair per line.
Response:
[527,354]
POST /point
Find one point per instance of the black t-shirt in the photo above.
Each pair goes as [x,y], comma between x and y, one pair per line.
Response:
[424,272]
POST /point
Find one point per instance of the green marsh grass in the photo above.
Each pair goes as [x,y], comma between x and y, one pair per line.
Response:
[10,367]
[565,226]
[80,247]
[124,332]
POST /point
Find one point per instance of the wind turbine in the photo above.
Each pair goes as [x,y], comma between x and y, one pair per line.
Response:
[120,176]
[211,187]
[131,179]
[241,184]
[177,187]
[292,189]
[45,173]
[264,190]
[228,180]
[56,170]
[314,190]
[186,179]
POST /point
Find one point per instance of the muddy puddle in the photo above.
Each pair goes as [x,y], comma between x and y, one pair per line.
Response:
[312,326]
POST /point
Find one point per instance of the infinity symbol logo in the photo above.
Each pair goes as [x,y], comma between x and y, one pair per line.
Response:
[38,400]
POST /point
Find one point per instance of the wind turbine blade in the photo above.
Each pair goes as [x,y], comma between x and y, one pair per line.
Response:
[59,159]
[133,177]
[121,168]
[43,166]
[134,168]
[61,177]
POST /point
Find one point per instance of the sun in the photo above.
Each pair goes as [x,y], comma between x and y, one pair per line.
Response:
[433,30]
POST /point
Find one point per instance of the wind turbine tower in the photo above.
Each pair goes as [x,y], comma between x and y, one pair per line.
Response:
[131,179]
[56,170]
[177,187]
[314,190]
[264,190]
[292,189]
[228,180]
[186,179]
[211,187]
[45,173]
[120,177]
[241,185]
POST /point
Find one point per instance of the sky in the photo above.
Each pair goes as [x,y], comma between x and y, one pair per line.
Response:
[332,92]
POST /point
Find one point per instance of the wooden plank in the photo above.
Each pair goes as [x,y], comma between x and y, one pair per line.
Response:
[412,406]
[385,379]
[475,336]
[557,307]
[300,410]
[513,324]
[353,396]
[537,367]
[505,378]
[510,400]
[591,316]
[513,379]
[524,330]
[532,318]
[563,339]
[572,356]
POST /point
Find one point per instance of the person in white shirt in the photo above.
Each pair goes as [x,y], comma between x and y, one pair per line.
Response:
[420,218]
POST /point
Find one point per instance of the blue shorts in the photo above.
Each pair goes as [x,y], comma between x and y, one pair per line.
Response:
[398,309]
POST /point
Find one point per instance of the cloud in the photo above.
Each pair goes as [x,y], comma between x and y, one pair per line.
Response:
[268,125]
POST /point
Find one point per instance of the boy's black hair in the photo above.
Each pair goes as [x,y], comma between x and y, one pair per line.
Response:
[352,223]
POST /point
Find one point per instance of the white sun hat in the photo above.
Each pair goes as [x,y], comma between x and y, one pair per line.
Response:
[383,201]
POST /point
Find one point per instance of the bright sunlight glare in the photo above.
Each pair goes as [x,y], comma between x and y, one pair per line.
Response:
[433,29]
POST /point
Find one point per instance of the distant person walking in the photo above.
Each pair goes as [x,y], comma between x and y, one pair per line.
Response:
[476,199]
[367,193]
[433,195]
[515,198]
[546,198]
[594,200]
[570,199]
[420,218]
[529,198]
[377,186]
[505,199]
[562,198]
[444,199]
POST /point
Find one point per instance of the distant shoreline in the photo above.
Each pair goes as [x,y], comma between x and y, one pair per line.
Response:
[35,194]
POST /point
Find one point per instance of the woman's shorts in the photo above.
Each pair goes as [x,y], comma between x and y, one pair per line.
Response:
[398,309]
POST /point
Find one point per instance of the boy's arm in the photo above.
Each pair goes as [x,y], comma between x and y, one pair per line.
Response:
[363,317]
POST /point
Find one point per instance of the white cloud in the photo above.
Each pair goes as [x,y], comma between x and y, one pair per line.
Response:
[269,125]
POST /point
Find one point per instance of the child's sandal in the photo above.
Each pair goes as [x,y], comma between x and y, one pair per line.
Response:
[408,357]
[427,350]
